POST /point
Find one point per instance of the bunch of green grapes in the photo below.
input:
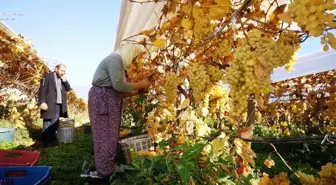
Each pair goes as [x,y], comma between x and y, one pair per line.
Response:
[201,29]
[199,80]
[216,74]
[224,48]
[218,100]
[254,61]
[328,40]
[170,87]
[312,16]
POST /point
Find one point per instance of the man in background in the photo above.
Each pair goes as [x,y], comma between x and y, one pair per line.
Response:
[53,103]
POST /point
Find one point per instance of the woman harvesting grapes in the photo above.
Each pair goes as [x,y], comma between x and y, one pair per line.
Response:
[105,105]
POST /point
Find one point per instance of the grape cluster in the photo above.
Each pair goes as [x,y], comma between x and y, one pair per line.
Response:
[312,16]
[254,61]
[328,40]
[218,101]
[199,80]
[216,74]
[224,48]
[170,87]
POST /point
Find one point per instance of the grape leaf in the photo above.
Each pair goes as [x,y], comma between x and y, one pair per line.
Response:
[186,23]
[274,16]
[218,12]
[285,17]
[160,43]
[224,2]
[244,151]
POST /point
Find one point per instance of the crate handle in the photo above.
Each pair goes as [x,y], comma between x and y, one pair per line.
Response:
[14,174]
[13,155]
[5,131]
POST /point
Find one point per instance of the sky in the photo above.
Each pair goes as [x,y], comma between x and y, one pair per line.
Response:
[78,33]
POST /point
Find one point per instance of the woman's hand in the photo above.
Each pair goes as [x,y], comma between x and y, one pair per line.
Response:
[133,93]
[144,84]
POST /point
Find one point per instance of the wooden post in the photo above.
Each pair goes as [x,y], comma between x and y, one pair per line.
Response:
[251,116]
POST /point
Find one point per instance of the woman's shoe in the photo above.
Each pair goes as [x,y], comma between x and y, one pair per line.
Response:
[93,174]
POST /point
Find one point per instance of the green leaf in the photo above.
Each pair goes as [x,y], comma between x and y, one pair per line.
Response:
[246,180]
[193,152]
[184,172]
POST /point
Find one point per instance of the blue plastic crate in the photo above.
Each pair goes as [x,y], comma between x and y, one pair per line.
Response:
[23,175]
[7,134]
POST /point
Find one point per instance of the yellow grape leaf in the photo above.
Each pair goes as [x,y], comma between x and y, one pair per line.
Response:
[281,179]
[218,12]
[224,2]
[124,133]
[187,9]
[180,140]
[265,180]
[274,16]
[285,17]
[186,34]
[185,103]
[218,144]
[257,13]
[160,43]
[328,173]
[198,13]
[172,7]
[331,130]
[244,151]
[261,102]
[186,23]
[307,179]
[269,162]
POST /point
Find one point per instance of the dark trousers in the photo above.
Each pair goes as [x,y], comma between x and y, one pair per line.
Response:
[50,126]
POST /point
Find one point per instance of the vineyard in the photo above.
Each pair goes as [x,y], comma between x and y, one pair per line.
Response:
[20,74]
[210,63]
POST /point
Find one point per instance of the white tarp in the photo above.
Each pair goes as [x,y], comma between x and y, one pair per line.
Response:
[311,63]
[6,29]
[136,17]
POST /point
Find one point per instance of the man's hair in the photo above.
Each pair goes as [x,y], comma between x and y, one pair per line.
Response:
[60,65]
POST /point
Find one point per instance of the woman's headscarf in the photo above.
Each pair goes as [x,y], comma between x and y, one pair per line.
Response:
[128,52]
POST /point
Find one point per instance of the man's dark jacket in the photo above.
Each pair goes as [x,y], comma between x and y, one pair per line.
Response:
[48,95]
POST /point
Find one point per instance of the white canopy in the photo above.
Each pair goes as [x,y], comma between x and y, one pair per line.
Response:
[136,17]
[4,27]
